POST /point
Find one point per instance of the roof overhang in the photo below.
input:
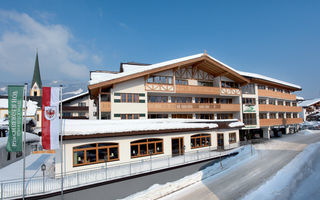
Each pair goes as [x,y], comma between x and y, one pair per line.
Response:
[274,84]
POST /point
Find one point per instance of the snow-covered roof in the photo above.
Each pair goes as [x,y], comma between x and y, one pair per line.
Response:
[299,98]
[90,127]
[31,106]
[236,124]
[97,77]
[259,76]
[310,102]
[76,96]
[29,138]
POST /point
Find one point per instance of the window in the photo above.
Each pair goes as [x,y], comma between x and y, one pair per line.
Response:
[203,100]
[228,84]
[104,115]
[224,116]
[9,156]
[249,101]
[160,80]
[182,116]
[287,91]
[146,147]
[263,116]
[224,101]
[262,101]
[272,115]
[288,103]
[280,115]
[181,82]
[82,104]
[181,99]
[280,102]
[204,116]
[232,138]
[205,83]
[129,98]
[200,140]
[248,89]
[294,103]
[105,97]
[18,154]
[157,99]
[249,119]
[271,88]
[295,115]
[261,87]
[288,115]
[67,114]
[129,116]
[157,116]
[38,117]
[95,153]
[272,101]
[82,114]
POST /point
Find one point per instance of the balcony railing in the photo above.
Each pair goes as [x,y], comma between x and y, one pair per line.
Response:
[192,89]
[277,122]
[192,107]
[274,94]
[105,106]
[279,108]
[75,108]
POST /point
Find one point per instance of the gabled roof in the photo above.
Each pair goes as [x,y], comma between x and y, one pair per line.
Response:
[75,97]
[309,102]
[36,74]
[203,61]
[273,81]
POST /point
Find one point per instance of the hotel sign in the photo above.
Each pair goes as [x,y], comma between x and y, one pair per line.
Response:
[248,109]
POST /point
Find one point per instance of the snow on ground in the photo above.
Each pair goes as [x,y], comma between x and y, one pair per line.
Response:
[297,180]
[157,191]
[308,132]
[33,164]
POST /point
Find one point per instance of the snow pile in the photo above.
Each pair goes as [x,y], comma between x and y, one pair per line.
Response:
[29,138]
[308,132]
[86,127]
[236,124]
[4,124]
[157,191]
[283,185]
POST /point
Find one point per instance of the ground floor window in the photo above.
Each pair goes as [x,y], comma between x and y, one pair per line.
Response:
[129,116]
[157,116]
[205,116]
[224,116]
[146,147]
[249,119]
[95,153]
[200,140]
[182,116]
[232,138]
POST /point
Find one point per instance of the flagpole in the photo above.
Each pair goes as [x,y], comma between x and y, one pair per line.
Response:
[24,140]
[61,144]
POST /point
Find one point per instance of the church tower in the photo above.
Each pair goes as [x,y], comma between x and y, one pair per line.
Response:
[36,85]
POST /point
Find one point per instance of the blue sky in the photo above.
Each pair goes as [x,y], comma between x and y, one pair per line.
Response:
[279,39]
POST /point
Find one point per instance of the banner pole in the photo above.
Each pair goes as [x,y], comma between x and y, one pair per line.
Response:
[61,144]
[24,140]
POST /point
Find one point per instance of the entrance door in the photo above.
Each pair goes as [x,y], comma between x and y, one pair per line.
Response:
[177,146]
[220,141]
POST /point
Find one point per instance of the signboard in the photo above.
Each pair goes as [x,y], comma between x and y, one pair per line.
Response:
[248,109]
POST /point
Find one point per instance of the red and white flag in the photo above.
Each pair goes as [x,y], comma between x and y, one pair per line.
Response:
[50,118]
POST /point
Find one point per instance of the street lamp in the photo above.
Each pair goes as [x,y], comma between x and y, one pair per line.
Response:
[43,169]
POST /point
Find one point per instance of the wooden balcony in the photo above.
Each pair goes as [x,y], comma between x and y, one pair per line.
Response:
[274,94]
[278,108]
[75,108]
[192,107]
[277,122]
[105,106]
[192,89]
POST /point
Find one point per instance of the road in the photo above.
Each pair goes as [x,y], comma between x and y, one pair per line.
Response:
[234,184]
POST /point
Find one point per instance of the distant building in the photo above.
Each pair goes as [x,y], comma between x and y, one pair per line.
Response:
[310,109]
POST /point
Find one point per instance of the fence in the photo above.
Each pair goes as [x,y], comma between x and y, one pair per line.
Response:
[46,184]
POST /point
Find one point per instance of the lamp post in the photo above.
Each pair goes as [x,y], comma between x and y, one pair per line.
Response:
[43,169]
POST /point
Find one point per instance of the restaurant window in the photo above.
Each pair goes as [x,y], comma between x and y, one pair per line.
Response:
[263,116]
[249,119]
[248,89]
[262,101]
[181,82]
[200,140]
[232,138]
[182,116]
[224,116]
[203,100]
[181,99]
[157,99]
[204,116]
[160,80]
[205,83]
[129,116]
[272,115]
[224,101]
[146,147]
[249,101]
[95,153]
[129,98]
[157,116]
[229,84]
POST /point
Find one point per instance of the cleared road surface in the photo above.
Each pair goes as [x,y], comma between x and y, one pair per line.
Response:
[234,184]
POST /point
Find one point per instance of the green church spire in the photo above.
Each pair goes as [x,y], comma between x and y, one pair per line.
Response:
[36,74]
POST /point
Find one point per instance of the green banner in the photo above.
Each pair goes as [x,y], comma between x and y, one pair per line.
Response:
[15,104]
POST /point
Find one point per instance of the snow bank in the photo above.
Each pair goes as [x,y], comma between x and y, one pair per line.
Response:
[157,191]
[285,182]
[86,127]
